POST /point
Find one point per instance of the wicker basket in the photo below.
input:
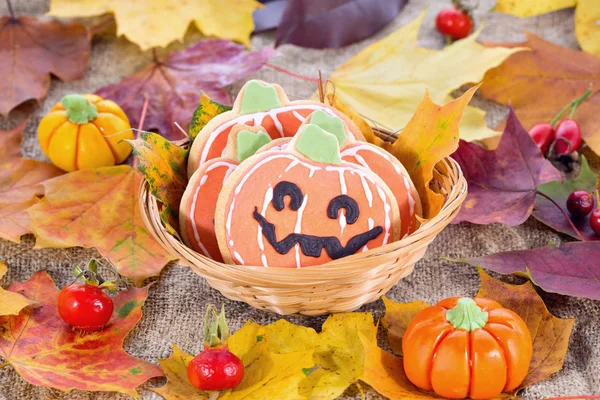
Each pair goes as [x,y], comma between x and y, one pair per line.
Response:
[338,286]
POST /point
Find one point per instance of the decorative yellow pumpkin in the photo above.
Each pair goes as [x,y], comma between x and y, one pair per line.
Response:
[85,131]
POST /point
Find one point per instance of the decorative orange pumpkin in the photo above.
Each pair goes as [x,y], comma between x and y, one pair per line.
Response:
[464,347]
[303,206]
[85,131]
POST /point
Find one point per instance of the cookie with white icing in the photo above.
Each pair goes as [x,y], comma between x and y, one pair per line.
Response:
[257,104]
[199,201]
[303,206]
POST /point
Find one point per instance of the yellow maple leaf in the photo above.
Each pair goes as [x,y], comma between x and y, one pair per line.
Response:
[529,8]
[11,303]
[386,81]
[157,23]
[587,28]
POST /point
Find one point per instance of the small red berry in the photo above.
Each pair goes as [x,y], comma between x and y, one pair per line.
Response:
[85,306]
[595,221]
[215,369]
[454,23]
[567,129]
[580,203]
[542,135]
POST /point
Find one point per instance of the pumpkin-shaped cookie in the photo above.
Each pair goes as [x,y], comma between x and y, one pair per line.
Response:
[199,201]
[258,103]
[303,206]
[372,157]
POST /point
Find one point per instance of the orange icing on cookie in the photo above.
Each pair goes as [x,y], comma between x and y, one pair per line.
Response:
[395,176]
[277,200]
[197,210]
[281,121]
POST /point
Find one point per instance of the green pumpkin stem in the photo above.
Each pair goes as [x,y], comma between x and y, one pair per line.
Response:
[467,315]
[78,109]
[216,330]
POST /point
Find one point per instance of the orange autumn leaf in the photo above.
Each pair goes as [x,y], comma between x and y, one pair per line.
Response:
[20,180]
[385,372]
[430,135]
[540,82]
[99,208]
[550,334]
[45,351]
[11,303]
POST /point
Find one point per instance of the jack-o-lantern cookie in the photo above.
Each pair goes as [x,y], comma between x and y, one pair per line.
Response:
[303,206]
[373,157]
[258,103]
[199,201]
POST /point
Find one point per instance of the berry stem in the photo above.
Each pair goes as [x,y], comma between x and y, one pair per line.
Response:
[564,213]
[573,105]
[291,73]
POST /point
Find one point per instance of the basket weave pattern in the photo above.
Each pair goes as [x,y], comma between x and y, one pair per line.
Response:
[339,286]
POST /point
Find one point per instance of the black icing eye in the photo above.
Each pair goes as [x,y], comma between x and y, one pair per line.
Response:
[345,202]
[283,189]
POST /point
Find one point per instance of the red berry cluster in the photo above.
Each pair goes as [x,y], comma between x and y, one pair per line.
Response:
[563,140]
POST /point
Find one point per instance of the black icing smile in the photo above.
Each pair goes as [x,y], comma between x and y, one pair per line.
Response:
[310,245]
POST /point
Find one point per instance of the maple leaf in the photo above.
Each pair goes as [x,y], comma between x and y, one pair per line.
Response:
[309,24]
[207,109]
[548,213]
[430,135]
[339,356]
[163,165]
[550,335]
[11,303]
[45,351]
[274,357]
[397,318]
[587,13]
[99,208]
[173,85]
[572,269]
[538,84]
[385,81]
[503,182]
[20,187]
[160,22]
[32,50]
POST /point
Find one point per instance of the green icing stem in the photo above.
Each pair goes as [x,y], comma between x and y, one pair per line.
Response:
[248,143]
[258,97]
[467,315]
[331,124]
[78,109]
[318,145]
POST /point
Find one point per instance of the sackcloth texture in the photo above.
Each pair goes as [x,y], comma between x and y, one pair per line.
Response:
[174,310]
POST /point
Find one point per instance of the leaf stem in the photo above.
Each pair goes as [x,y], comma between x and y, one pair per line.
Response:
[3,365]
[10,10]
[154,56]
[214,395]
[564,213]
[572,105]
[291,73]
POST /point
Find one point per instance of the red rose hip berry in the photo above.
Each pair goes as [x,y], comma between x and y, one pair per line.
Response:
[595,221]
[454,23]
[216,368]
[542,135]
[85,306]
[567,137]
[580,203]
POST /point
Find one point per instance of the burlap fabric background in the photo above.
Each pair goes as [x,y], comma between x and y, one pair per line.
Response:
[174,309]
